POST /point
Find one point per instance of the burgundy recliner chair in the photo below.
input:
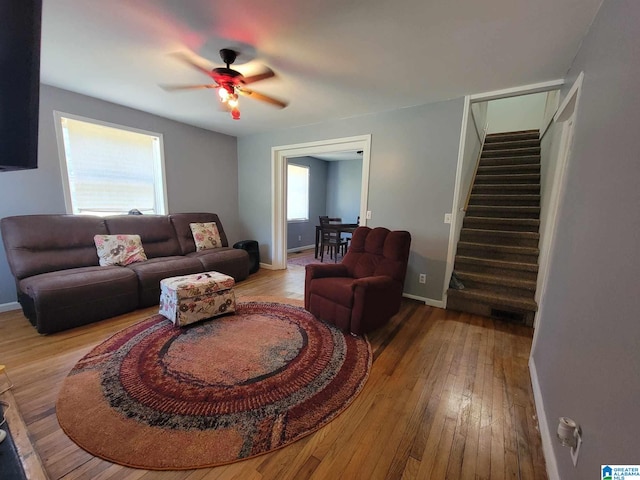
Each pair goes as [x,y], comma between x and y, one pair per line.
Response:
[364,291]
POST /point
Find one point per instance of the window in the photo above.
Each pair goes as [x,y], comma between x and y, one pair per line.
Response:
[109,169]
[297,193]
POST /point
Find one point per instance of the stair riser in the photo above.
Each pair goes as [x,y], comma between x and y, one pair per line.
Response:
[506,189]
[489,270]
[510,144]
[477,308]
[506,161]
[493,255]
[523,169]
[519,179]
[515,200]
[500,289]
[472,223]
[502,213]
[505,137]
[499,240]
[515,152]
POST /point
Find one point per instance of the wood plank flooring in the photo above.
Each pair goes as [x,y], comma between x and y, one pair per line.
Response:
[449,396]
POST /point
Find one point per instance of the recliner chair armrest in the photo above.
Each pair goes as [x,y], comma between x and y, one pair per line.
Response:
[323,271]
[378,282]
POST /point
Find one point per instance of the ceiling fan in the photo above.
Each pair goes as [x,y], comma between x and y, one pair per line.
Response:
[229,83]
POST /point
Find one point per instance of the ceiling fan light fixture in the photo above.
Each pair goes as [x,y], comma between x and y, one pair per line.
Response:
[223,93]
[232,100]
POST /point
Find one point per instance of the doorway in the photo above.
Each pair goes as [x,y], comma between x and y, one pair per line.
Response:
[280,156]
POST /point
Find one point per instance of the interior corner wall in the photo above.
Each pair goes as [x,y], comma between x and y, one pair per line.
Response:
[300,234]
[513,114]
[414,153]
[201,168]
[586,355]
[344,183]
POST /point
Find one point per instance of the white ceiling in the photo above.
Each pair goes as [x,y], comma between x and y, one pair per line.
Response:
[333,58]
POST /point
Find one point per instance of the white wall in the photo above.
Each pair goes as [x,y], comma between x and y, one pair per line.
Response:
[586,352]
[516,113]
[201,168]
[414,154]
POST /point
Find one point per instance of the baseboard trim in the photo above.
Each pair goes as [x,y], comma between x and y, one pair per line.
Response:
[300,248]
[8,307]
[545,435]
[428,301]
[267,266]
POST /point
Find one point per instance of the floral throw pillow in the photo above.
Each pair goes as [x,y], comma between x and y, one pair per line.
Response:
[206,235]
[119,249]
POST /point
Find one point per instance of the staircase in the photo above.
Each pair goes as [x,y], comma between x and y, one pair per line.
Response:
[497,256]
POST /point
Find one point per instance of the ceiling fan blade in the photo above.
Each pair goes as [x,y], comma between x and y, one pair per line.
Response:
[268,73]
[174,88]
[263,98]
[192,63]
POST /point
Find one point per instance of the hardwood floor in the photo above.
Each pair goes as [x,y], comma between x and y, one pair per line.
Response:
[449,396]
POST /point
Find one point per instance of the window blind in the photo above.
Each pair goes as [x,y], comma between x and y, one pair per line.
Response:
[110,170]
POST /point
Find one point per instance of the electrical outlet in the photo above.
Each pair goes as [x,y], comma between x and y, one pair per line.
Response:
[368,214]
[422,278]
[447,218]
[299,238]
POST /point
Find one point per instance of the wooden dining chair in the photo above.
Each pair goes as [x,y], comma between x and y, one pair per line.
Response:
[331,241]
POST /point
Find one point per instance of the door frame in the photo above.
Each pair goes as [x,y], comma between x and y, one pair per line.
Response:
[279,156]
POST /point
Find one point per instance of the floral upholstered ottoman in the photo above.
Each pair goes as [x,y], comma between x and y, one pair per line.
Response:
[191,298]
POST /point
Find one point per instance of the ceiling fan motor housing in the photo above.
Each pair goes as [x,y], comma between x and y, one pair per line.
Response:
[228,56]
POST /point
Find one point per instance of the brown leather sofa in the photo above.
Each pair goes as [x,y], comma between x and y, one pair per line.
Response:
[364,291]
[60,284]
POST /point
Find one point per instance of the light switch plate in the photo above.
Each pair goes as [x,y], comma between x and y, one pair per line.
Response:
[447,218]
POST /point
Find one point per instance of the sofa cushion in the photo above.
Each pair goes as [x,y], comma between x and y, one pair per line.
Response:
[150,273]
[73,297]
[205,236]
[156,232]
[230,261]
[181,222]
[37,244]
[119,249]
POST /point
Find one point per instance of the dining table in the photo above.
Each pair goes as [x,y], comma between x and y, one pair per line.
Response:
[340,228]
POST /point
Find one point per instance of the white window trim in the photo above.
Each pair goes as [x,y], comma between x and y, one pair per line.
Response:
[161,197]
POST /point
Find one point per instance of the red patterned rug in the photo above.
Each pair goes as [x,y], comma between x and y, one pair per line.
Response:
[160,397]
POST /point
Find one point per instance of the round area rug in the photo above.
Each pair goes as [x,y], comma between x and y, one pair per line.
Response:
[162,397]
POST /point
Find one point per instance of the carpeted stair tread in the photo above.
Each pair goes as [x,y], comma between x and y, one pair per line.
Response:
[502,233]
[520,178]
[490,247]
[510,152]
[505,221]
[489,262]
[513,168]
[506,187]
[518,160]
[498,299]
[504,199]
[497,280]
[522,211]
[519,135]
[504,144]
